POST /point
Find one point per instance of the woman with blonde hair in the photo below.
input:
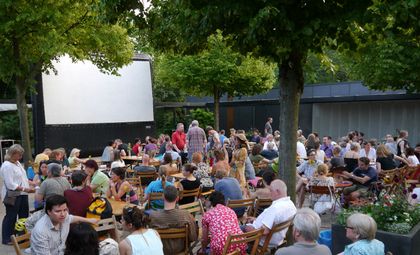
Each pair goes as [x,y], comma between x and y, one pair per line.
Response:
[202,172]
[351,157]
[361,230]
[75,163]
[385,159]
[14,192]
[238,160]
[323,202]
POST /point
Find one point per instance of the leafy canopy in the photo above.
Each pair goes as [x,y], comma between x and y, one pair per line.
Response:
[36,32]
[216,69]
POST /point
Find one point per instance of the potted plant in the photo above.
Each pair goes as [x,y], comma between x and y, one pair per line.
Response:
[398,223]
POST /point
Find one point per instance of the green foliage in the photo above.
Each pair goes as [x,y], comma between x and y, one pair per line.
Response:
[217,69]
[393,214]
[205,118]
[9,125]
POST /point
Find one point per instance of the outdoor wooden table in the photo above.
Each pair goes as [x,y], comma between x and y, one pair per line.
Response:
[118,206]
[178,176]
[132,158]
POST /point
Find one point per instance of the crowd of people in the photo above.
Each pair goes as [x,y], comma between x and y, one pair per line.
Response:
[65,187]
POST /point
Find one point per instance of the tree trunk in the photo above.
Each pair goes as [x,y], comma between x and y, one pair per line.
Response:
[22,108]
[291,87]
[216,98]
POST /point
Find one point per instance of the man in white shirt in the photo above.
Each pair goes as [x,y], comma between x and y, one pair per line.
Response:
[301,151]
[281,210]
[50,232]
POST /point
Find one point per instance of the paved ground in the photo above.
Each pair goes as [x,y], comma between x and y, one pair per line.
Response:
[8,250]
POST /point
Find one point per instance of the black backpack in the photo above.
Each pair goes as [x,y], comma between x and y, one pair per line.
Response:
[100,208]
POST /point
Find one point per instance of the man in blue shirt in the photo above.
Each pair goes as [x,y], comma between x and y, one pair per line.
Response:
[361,177]
[230,189]
[327,147]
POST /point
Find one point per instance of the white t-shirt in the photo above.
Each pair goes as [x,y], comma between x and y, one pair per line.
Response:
[371,155]
[320,155]
[279,211]
[301,151]
[413,160]
[265,147]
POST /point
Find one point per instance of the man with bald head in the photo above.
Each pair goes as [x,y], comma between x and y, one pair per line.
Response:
[281,210]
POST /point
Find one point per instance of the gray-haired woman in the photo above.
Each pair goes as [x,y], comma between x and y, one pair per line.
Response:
[361,230]
[14,192]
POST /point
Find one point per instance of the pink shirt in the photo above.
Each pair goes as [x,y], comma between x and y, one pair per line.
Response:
[220,222]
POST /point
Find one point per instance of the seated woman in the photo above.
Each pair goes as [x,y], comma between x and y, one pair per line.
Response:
[218,223]
[307,170]
[412,159]
[351,157]
[157,186]
[189,183]
[75,163]
[336,160]
[256,159]
[141,239]
[151,146]
[202,172]
[368,151]
[170,167]
[42,174]
[222,160]
[264,191]
[386,160]
[118,162]
[324,202]
[361,230]
[120,189]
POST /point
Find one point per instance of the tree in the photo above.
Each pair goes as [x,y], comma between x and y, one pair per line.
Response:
[281,30]
[34,33]
[214,71]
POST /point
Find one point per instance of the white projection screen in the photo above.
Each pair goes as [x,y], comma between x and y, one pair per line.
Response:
[81,94]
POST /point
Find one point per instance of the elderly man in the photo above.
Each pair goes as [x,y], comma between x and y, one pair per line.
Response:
[270,139]
[179,138]
[270,153]
[281,210]
[196,139]
[306,226]
[171,217]
[50,232]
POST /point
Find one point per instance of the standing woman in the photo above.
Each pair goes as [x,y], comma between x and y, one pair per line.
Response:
[14,181]
[238,160]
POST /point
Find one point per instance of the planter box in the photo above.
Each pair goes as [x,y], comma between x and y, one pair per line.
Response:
[398,244]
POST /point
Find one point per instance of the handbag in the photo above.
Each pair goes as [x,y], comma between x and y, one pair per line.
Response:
[10,198]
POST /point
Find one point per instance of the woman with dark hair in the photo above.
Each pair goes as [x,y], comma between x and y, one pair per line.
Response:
[219,222]
[97,180]
[42,174]
[189,183]
[121,189]
[264,191]
[151,146]
[171,168]
[310,142]
[141,240]
[118,162]
[82,240]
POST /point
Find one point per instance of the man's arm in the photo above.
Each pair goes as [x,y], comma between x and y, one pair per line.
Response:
[76,219]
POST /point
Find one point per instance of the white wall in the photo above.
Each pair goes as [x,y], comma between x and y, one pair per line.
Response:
[81,94]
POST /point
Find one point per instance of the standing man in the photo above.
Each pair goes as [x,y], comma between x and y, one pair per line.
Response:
[268,130]
[179,140]
[327,147]
[196,139]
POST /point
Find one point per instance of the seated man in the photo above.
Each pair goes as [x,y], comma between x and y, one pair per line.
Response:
[306,226]
[270,153]
[50,232]
[362,177]
[281,210]
[171,217]
[230,189]
[270,139]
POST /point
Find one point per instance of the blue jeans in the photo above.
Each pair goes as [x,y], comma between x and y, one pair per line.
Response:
[21,209]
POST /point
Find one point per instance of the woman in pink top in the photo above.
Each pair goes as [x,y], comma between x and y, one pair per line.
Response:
[219,222]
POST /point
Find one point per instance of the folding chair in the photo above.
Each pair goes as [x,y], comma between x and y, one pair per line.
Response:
[176,233]
[261,250]
[235,252]
[21,242]
[109,225]
[252,236]
[153,197]
[317,191]
[146,177]
[189,193]
[193,208]
[261,204]
[240,203]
